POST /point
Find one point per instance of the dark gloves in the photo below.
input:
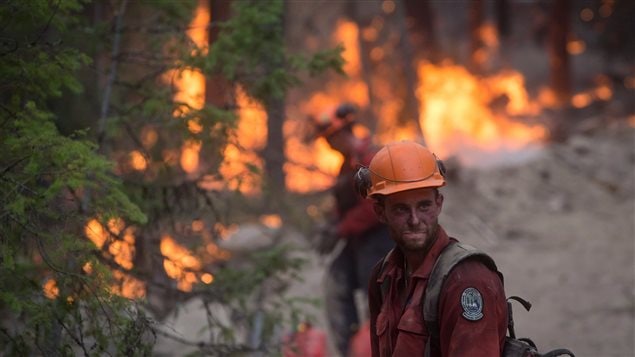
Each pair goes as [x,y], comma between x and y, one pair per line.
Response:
[325,239]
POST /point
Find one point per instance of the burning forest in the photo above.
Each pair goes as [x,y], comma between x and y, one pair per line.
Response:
[165,184]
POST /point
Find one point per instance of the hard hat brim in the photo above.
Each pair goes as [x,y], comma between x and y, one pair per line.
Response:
[387,188]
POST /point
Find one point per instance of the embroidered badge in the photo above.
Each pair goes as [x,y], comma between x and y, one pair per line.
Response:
[472,303]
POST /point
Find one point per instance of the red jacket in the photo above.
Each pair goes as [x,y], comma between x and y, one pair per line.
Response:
[398,329]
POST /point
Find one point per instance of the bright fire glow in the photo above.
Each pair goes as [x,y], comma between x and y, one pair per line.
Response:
[50,289]
[241,157]
[576,47]
[271,220]
[488,35]
[138,161]
[207,278]
[128,286]
[223,231]
[179,263]
[190,155]
[313,166]
[190,86]
[347,34]
[122,252]
[456,115]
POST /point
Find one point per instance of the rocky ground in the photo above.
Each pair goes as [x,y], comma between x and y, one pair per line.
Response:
[561,227]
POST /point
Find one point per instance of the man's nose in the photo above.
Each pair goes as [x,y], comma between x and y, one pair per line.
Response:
[413,219]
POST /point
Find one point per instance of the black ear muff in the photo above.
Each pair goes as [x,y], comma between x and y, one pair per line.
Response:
[441,167]
[362,181]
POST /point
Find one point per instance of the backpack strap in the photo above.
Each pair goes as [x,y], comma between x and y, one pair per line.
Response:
[452,255]
[385,285]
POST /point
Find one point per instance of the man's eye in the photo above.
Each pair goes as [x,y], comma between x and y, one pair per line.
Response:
[401,210]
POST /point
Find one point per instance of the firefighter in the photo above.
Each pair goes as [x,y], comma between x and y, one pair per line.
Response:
[403,181]
[365,239]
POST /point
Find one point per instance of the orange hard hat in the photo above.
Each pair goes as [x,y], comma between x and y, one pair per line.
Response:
[333,120]
[403,166]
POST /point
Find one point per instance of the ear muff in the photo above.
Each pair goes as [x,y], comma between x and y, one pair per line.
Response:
[362,181]
[441,167]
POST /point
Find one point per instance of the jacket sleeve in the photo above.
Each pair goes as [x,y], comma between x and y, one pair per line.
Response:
[358,219]
[463,330]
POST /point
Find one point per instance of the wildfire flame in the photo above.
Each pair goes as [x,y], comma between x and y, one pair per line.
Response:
[122,250]
[304,161]
[189,87]
[50,289]
[457,116]
[459,112]
[241,158]
[179,263]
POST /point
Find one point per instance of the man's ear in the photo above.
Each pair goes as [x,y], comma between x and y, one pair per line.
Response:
[379,211]
[439,201]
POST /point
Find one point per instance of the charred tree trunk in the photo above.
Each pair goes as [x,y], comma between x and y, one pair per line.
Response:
[421,30]
[410,111]
[503,27]
[475,19]
[274,151]
[558,55]
[503,24]
[363,21]
[218,91]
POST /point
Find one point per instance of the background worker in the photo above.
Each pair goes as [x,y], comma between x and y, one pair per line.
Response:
[365,239]
[403,180]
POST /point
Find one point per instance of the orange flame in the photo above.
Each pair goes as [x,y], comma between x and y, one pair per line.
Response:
[313,166]
[190,155]
[129,286]
[488,35]
[50,289]
[240,158]
[271,220]
[603,92]
[456,111]
[190,86]
[138,161]
[347,34]
[122,252]
[179,263]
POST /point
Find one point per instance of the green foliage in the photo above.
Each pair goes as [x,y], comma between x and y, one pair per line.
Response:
[251,52]
[52,183]
[43,177]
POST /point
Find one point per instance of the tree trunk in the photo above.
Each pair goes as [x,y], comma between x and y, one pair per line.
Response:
[410,111]
[274,151]
[363,21]
[421,29]
[502,19]
[558,55]
[476,43]
[218,91]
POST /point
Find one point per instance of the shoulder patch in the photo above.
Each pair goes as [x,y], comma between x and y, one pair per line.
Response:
[472,303]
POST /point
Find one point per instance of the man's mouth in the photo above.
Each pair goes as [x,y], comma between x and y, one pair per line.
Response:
[417,233]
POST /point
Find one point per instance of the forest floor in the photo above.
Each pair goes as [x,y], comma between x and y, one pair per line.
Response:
[561,227]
